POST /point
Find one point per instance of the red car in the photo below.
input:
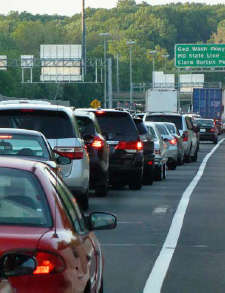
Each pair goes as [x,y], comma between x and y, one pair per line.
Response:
[46,242]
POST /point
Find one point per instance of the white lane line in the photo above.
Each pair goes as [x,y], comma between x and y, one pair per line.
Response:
[158,273]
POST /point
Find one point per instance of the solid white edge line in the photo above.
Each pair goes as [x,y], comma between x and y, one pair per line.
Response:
[160,268]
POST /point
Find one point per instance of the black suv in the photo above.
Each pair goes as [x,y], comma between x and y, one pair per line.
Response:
[149,151]
[97,149]
[126,149]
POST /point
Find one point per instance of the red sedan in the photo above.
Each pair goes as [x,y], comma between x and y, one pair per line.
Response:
[46,242]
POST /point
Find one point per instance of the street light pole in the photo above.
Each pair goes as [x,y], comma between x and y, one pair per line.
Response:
[130,43]
[105,89]
[83,37]
[153,67]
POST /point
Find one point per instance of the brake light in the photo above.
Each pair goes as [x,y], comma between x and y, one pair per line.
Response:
[150,163]
[130,145]
[100,112]
[158,152]
[97,143]
[73,153]
[185,136]
[212,130]
[48,263]
[173,141]
[5,136]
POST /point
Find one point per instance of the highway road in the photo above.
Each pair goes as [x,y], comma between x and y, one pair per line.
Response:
[151,252]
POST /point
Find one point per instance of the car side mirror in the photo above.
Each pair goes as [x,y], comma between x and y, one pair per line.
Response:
[88,138]
[63,160]
[102,221]
[17,264]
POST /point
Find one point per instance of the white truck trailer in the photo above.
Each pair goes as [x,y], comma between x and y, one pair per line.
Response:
[161,100]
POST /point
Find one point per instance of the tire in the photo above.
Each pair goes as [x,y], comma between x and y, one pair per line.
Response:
[136,182]
[187,158]
[148,177]
[195,157]
[215,141]
[179,161]
[158,173]
[101,290]
[164,171]
[172,165]
[101,190]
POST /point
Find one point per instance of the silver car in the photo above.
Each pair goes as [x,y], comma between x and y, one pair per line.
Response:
[180,145]
[171,143]
[160,152]
[59,126]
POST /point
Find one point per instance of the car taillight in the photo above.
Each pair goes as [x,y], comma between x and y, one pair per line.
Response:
[212,129]
[48,263]
[185,136]
[150,163]
[73,153]
[173,141]
[97,143]
[158,152]
[130,146]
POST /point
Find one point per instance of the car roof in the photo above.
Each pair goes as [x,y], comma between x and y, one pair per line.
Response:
[204,119]
[6,102]
[20,131]
[103,110]
[163,113]
[20,164]
[88,114]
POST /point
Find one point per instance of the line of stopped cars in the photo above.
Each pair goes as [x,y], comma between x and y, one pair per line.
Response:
[50,156]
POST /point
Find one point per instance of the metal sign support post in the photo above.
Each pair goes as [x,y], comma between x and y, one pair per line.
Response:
[110,82]
[178,90]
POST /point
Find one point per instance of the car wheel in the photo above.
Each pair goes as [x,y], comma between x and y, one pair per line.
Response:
[158,173]
[101,290]
[187,158]
[148,177]
[102,190]
[195,157]
[179,161]
[164,171]
[136,182]
[215,141]
[172,165]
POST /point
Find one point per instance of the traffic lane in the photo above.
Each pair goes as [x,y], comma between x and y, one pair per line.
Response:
[144,220]
[198,263]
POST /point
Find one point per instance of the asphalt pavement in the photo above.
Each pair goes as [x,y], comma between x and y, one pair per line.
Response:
[144,220]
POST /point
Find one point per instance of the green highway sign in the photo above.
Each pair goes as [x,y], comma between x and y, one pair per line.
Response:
[199,55]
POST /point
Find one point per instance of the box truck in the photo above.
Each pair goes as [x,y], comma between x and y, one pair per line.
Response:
[161,100]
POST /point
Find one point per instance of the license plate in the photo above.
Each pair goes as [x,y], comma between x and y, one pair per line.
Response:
[202,130]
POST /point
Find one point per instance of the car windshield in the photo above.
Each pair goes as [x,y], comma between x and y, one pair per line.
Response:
[162,129]
[23,145]
[171,128]
[22,200]
[53,124]
[177,120]
[203,122]
[86,126]
[117,126]
[152,132]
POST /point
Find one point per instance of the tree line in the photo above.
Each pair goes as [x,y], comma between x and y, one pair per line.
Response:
[152,27]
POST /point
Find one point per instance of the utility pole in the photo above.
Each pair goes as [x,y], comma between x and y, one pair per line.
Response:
[117,74]
[105,88]
[130,43]
[83,37]
[153,67]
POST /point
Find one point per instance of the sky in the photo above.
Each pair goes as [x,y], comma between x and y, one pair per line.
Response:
[70,7]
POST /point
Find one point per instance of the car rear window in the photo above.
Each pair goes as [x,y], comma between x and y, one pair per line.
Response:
[22,200]
[86,125]
[117,126]
[171,128]
[23,145]
[140,126]
[204,123]
[177,120]
[162,129]
[152,132]
[53,124]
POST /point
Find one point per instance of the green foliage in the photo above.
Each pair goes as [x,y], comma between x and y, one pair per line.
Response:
[152,27]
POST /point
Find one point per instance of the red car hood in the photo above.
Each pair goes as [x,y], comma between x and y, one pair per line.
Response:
[19,238]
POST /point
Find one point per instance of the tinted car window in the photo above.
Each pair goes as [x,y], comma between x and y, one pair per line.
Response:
[162,129]
[177,120]
[23,145]
[171,128]
[140,126]
[117,125]
[53,124]
[204,122]
[86,125]
[22,200]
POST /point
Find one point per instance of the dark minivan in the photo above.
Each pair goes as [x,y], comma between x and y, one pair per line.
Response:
[125,146]
[149,151]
